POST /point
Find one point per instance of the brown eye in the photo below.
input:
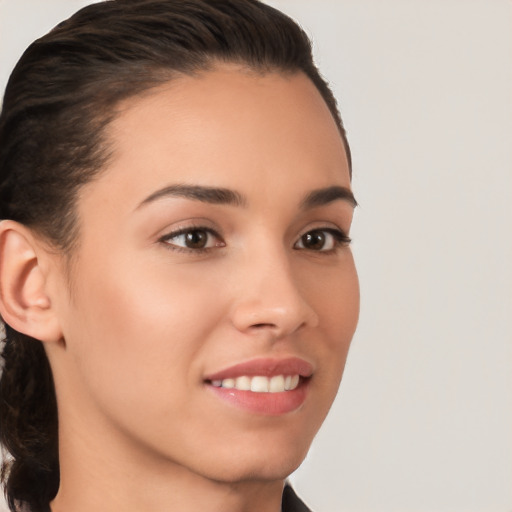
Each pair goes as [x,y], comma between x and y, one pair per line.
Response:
[322,240]
[196,239]
[192,239]
[314,240]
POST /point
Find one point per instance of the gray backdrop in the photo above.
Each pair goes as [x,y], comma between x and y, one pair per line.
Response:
[423,421]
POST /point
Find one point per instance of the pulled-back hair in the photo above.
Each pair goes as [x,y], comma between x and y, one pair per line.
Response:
[60,97]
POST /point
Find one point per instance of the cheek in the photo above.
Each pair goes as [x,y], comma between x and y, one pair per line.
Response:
[135,330]
[342,310]
[338,306]
[335,294]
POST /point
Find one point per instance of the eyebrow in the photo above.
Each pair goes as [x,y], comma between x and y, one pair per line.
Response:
[212,195]
[323,196]
[226,196]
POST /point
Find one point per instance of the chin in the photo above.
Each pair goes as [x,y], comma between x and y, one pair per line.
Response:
[257,464]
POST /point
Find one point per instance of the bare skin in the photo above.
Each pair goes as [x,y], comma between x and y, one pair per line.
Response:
[152,313]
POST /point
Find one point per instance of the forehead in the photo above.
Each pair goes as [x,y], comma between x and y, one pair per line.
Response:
[227,127]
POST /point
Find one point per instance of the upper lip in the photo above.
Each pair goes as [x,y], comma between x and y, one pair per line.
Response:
[267,367]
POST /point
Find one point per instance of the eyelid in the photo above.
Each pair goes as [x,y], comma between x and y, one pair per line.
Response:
[341,239]
[164,239]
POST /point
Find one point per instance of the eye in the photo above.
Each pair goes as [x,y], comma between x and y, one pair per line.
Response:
[192,239]
[322,240]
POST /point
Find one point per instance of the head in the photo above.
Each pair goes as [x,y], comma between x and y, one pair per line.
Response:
[190,89]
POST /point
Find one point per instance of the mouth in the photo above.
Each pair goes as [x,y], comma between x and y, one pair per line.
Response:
[263,386]
[260,383]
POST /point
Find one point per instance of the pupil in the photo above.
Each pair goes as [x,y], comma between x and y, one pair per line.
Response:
[196,239]
[314,240]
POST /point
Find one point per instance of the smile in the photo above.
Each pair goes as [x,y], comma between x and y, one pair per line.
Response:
[260,383]
[263,386]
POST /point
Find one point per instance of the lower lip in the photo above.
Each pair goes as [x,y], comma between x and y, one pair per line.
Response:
[272,404]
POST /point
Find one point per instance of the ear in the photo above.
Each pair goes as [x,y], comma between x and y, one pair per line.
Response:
[24,303]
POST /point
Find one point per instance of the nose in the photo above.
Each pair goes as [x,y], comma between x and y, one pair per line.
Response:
[270,298]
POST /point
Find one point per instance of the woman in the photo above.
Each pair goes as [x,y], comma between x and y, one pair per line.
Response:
[176,281]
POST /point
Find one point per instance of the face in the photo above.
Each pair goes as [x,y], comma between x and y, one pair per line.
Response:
[214,293]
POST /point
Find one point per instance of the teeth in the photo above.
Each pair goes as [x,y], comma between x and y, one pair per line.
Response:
[260,384]
[243,383]
[228,383]
[276,384]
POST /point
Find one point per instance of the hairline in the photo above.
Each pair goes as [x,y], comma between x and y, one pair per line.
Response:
[160,79]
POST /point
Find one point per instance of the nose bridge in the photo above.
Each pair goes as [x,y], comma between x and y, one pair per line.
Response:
[269,296]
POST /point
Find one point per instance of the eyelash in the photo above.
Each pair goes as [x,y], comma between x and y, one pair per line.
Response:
[190,229]
[340,239]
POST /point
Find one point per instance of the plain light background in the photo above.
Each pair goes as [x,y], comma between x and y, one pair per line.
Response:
[423,420]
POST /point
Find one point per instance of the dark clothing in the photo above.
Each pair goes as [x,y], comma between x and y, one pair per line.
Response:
[291,502]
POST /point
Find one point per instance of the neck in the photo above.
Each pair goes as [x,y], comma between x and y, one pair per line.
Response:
[101,475]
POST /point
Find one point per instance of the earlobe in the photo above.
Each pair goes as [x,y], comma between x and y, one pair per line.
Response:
[24,302]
